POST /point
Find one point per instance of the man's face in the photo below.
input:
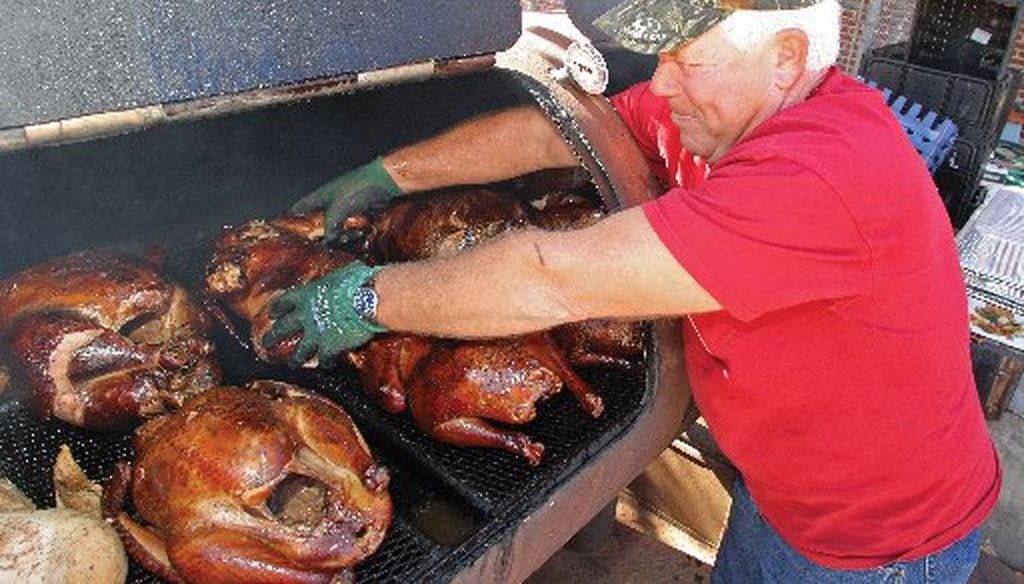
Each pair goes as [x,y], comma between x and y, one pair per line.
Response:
[717,93]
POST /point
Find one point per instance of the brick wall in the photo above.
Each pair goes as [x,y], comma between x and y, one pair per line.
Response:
[867,27]
[1017,62]
[895,19]
[851,35]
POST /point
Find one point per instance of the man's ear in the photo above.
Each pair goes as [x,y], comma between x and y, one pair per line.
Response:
[790,57]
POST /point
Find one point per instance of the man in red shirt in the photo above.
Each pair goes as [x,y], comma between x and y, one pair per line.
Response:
[803,242]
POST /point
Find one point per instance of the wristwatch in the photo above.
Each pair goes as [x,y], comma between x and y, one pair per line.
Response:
[365,301]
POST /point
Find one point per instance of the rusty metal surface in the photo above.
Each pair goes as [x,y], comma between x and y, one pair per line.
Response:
[589,123]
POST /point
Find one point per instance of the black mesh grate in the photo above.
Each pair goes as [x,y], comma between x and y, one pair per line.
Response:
[28,448]
[450,503]
[489,478]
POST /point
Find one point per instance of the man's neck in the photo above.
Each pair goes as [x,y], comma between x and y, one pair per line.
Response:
[803,87]
[796,93]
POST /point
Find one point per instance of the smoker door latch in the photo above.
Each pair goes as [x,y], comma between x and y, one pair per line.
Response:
[586,66]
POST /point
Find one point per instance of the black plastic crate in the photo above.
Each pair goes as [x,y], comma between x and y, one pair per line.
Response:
[968,205]
[1007,87]
[934,89]
[960,192]
[970,37]
[966,155]
[971,102]
[979,107]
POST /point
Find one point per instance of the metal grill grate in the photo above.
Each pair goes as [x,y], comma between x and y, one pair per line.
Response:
[450,503]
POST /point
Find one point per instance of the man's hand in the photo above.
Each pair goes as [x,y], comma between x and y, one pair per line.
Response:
[353,193]
[322,311]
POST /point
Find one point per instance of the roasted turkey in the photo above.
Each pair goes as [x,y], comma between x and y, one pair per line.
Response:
[442,222]
[102,340]
[452,388]
[386,363]
[596,342]
[257,261]
[269,483]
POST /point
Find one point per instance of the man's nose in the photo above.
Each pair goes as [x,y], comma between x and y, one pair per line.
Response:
[665,81]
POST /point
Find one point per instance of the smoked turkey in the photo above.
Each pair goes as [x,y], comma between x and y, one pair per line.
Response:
[442,222]
[269,483]
[452,388]
[258,260]
[102,340]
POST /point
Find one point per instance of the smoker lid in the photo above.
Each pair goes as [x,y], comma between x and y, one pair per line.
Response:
[61,59]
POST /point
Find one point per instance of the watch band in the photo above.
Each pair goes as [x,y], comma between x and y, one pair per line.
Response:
[365,302]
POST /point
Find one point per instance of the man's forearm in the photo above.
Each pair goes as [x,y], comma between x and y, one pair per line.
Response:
[501,288]
[489,148]
[532,280]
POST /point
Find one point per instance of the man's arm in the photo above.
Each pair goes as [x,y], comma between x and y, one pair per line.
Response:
[532,280]
[480,150]
[489,148]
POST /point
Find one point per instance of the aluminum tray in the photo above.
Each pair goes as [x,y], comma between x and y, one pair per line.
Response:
[991,247]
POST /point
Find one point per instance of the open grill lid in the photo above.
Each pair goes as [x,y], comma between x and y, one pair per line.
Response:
[61,61]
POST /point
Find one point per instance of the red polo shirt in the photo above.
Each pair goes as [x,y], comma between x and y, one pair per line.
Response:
[837,378]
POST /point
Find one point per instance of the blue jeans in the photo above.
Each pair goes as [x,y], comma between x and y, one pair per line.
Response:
[752,553]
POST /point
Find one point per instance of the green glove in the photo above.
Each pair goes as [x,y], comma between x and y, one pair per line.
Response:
[322,311]
[353,193]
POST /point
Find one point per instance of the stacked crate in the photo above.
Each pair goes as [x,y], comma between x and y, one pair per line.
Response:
[933,139]
[956,63]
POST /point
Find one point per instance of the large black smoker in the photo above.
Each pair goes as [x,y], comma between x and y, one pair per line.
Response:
[127,124]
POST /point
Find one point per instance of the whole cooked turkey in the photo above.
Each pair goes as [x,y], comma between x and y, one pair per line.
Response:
[442,222]
[267,483]
[101,340]
[454,389]
[258,260]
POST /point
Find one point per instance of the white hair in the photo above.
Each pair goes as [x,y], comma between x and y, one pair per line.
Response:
[749,30]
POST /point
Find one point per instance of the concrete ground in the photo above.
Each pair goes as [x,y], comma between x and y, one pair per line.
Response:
[616,554]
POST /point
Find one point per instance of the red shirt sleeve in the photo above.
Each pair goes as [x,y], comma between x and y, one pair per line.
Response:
[641,110]
[764,235]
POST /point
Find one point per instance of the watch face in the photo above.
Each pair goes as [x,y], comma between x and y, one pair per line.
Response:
[364,301]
